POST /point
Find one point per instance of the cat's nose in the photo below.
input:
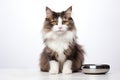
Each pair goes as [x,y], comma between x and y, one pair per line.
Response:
[60,27]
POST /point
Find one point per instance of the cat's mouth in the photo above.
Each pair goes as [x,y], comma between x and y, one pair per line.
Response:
[60,31]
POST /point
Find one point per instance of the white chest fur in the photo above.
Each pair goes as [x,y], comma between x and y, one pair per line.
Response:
[59,46]
[59,43]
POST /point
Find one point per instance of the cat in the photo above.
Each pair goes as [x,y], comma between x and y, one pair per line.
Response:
[62,53]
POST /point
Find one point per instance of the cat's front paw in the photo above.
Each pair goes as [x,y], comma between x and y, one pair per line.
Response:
[67,71]
[53,71]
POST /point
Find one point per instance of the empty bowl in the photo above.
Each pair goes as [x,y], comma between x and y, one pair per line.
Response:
[95,68]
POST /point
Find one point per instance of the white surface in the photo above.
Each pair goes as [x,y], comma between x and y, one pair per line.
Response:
[22,74]
[97,22]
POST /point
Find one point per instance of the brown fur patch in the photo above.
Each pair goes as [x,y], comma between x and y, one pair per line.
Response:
[46,56]
[75,53]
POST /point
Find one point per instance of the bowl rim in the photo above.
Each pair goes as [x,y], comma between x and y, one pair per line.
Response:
[95,66]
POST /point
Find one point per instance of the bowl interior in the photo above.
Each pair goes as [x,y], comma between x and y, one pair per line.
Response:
[96,66]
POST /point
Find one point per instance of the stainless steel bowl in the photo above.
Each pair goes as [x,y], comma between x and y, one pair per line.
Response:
[95,68]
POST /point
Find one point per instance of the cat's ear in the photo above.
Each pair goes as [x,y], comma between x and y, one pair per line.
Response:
[68,11]
[48,12]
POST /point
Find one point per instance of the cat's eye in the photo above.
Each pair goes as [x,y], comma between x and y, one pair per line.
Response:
[54,22]
[65,22]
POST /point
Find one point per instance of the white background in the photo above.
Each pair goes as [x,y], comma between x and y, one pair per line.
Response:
[97,22]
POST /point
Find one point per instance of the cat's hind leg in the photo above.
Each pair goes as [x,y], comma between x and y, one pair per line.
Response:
[44,63]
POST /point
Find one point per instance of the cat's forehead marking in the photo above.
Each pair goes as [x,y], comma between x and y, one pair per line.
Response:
[59,21]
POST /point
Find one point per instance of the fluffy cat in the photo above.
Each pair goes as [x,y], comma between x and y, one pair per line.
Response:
[62,53]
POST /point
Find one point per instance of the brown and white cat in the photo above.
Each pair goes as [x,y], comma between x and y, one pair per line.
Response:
[62,53]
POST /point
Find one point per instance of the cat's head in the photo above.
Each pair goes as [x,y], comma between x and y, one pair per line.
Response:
[59,22]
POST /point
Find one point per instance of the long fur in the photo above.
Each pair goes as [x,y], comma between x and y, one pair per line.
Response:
[60,47]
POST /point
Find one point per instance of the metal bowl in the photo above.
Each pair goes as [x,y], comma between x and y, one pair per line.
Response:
[95,68]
